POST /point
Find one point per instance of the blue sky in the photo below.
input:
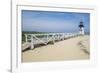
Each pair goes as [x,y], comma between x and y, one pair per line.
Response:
[44,21]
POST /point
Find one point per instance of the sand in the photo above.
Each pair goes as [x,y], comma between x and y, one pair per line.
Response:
[76,48]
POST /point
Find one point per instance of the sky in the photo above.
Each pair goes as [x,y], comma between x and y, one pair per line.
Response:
[49,21]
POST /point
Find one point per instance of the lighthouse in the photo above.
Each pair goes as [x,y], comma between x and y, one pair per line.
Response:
[81,28]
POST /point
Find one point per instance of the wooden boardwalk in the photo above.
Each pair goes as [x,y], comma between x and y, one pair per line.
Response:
[65,50]
[33,39]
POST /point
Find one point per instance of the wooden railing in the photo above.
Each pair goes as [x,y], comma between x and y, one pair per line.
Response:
[32,39]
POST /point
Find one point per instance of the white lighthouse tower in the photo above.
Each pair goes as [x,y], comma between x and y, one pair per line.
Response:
[81,28]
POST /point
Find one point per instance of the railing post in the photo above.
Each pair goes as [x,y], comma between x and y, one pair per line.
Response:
[26,39]
[53,39]
[47,38]
[32,42]
[58,37]
[63,36]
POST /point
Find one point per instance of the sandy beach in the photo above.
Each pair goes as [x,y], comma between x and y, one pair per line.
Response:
[77,48]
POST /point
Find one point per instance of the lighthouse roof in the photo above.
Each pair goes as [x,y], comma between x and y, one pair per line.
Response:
[81,25]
